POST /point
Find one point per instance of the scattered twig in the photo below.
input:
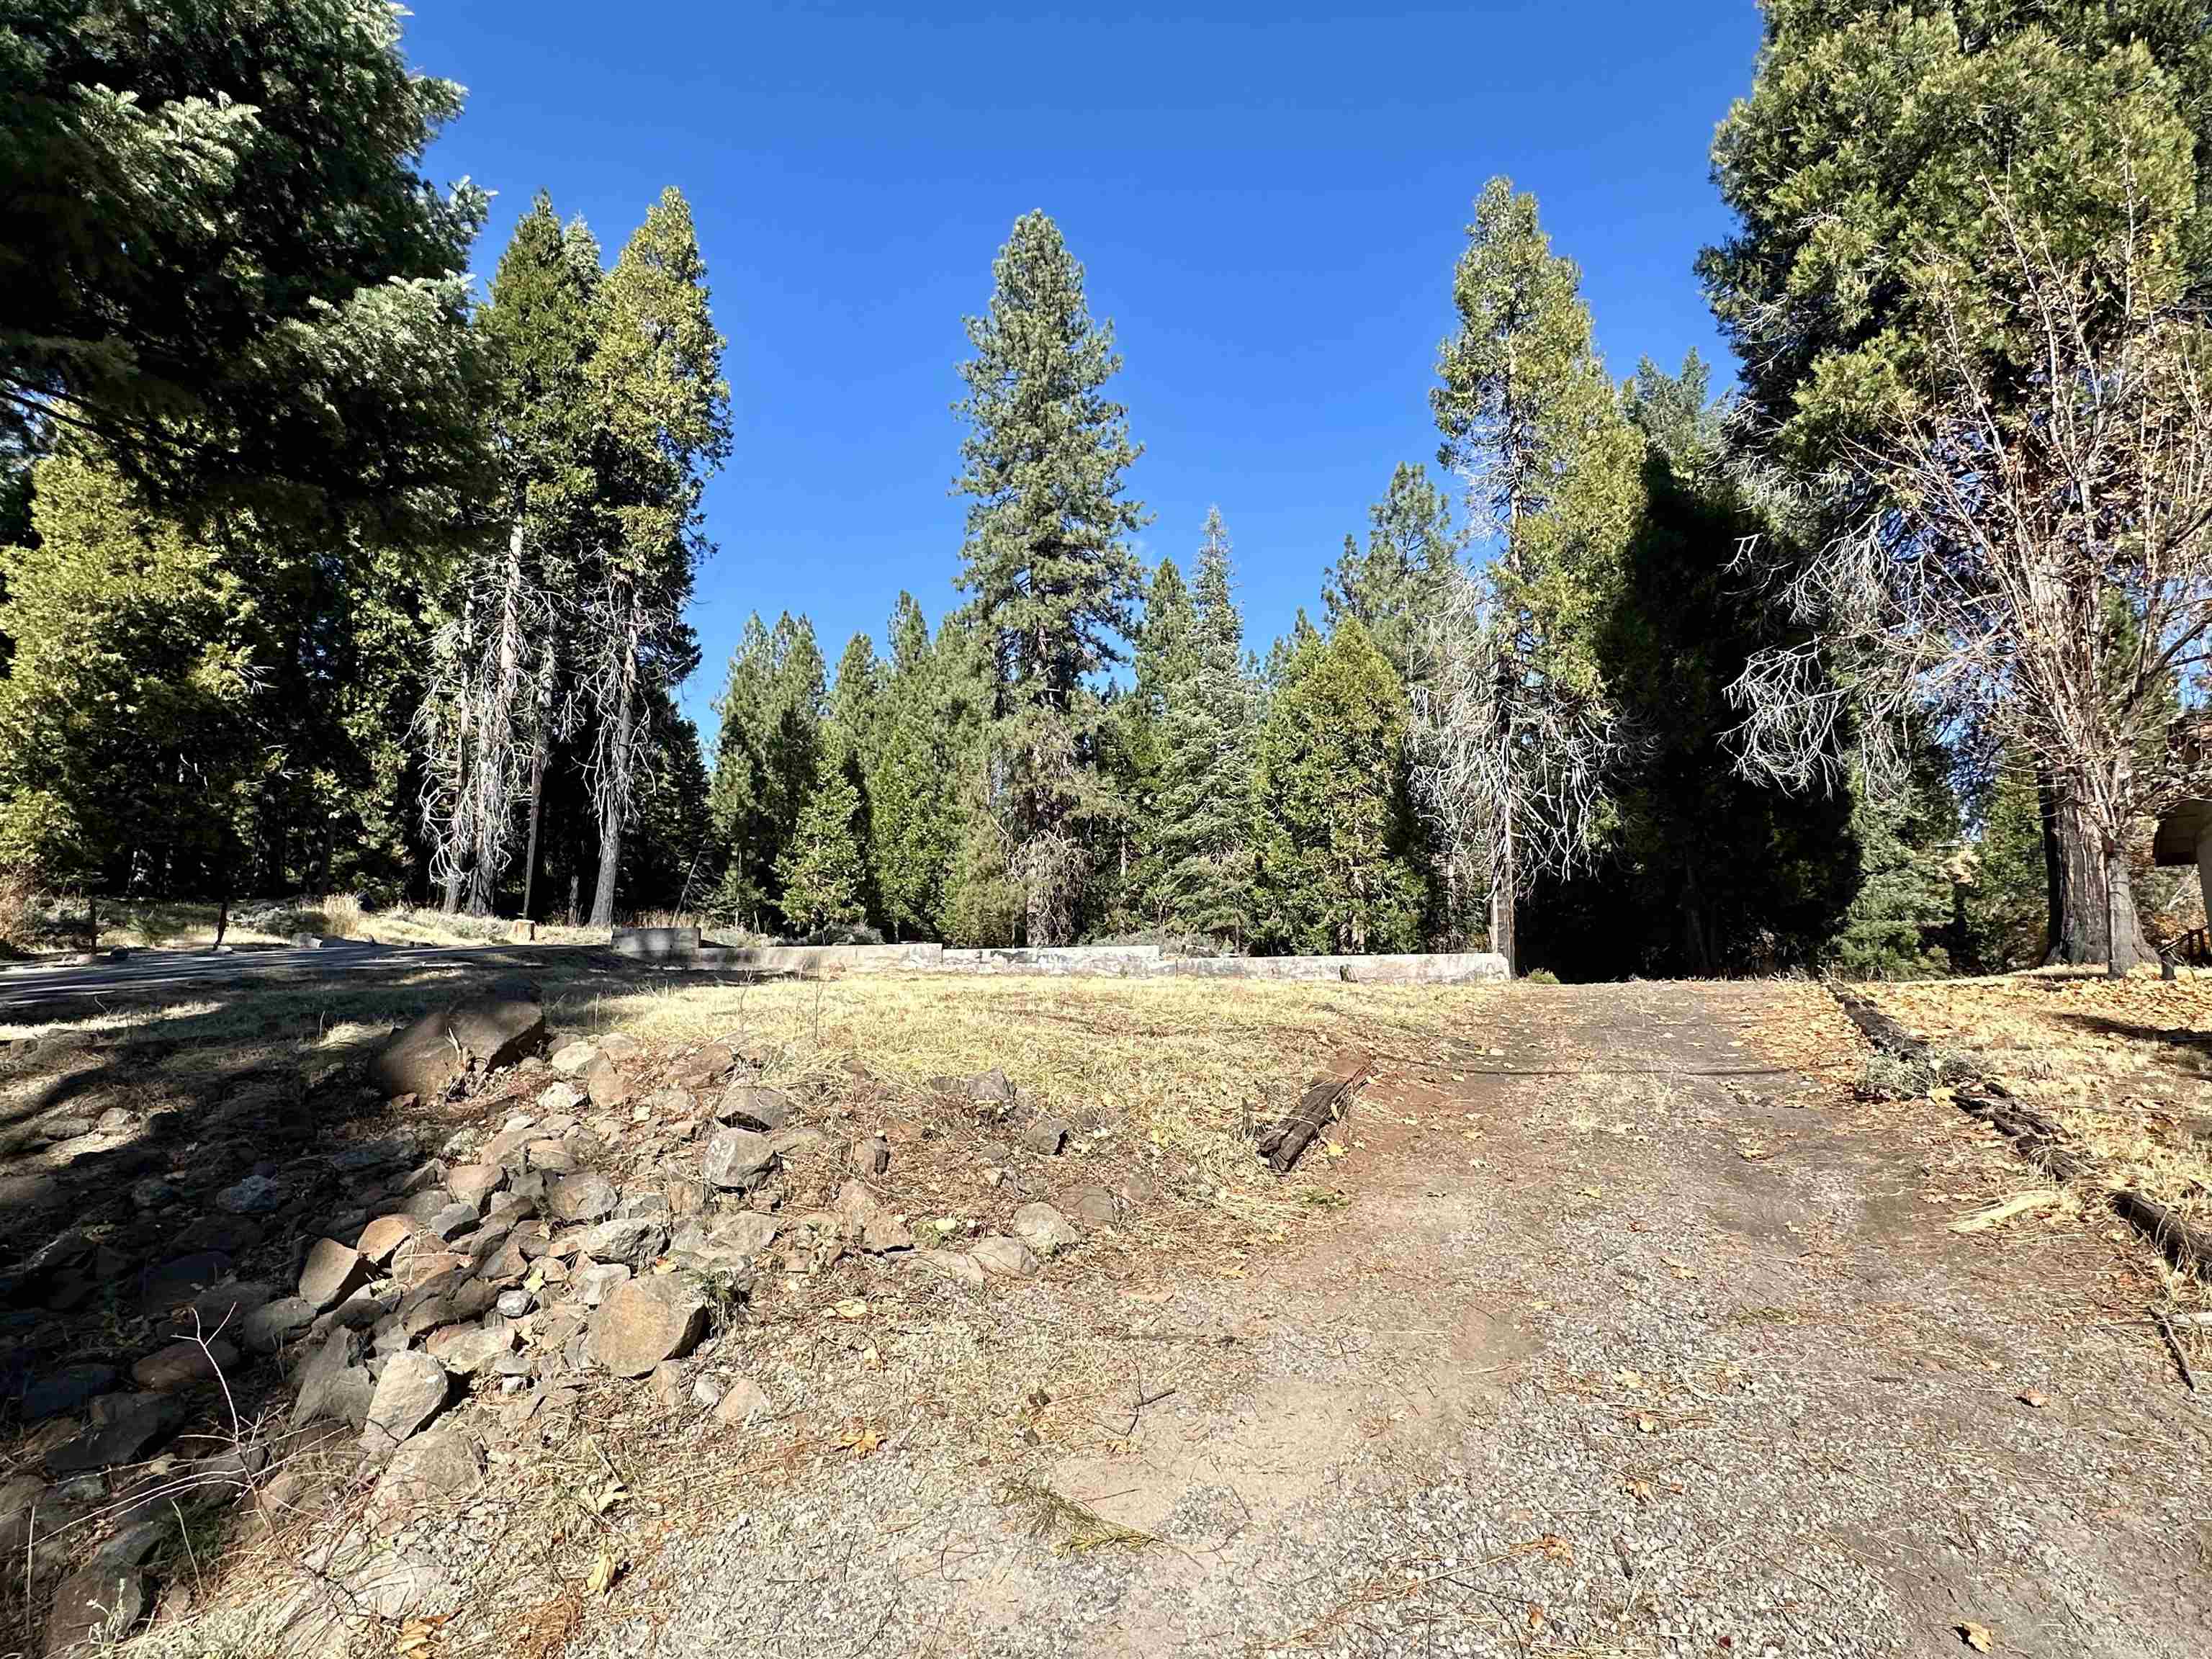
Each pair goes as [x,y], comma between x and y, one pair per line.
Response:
[2166,1328]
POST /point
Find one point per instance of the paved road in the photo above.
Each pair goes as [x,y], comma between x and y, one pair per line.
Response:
[35,986]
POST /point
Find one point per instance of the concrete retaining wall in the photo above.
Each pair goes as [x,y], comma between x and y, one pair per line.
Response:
[1106,961]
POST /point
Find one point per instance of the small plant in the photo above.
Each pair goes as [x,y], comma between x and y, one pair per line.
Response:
[1887,1077]
[1541,976]
[1072,1528]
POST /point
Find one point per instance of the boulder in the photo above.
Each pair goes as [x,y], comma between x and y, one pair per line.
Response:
[67,1389]
[1094,1206]
[94,1608]
[331,1274]
[871,1155]
[272,1325]
[958,1266]
[256,1194]
[1003,1258]
[480,1033]
[573,1057]
[644,1321]
[464,1349]
[181,1280]
[475,1183]
[411,1391]
[738,1159]
[1044,1229]
[709,1064]
[875,1229]
[1046,1135]
[437,1467]
[686,1196]
[183,1365]
[991,1087]
[123,1428]
[334,1385]
[585,1196]
[633,1240]
[596,1282]
[381,1239]
[750,1108]
[606,1085]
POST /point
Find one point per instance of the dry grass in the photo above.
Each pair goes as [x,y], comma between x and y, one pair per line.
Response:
[1070,1527]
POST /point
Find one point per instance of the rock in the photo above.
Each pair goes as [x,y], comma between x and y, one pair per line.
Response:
[633,1241]
[595,1283]
[686,1196]
[332,1272]
[797,1141]
[411,1391]
[272,1326]
[875,1229]
[255,1195]
[991,1087]
[706,1392]
[464,1349]
[133,1541]
[1044,1229]
[94,1608]
[958,1265]
[1095,1206]
[450,1221]
[706,1065]
[1046,1135]
[124,1426]
[571,1058]
[482,1033]
[604,1082]
[437,1467]
[586,1196]
[334,1385]
[766,1109]
[644,1321]
[738,1159]
[649,1206]
[1003,1258]
[871,1155]
[364,1156]
[667,1384]
[67,1389]
[475,1183]
[742,1402]
[382,1238]
[183,1365]
[154,1193]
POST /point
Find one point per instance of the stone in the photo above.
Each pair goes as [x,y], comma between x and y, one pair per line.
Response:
[1044,1229]
[667,1384]
[439,1467]
[750,1107]
[606,1085]
[505,1148]
[571,1058]
[421,1208]
[124,1427]
[797,1140]
[255,1195]
[333,1384]
[587,1196]
[411,1391]
[94,1608]
[875,1229]
[450,1220]
[708,1063]
[474,1183]
[633,1240]
[958,1266]
[871,1155]
[1095,1206]
[364,1156]
[183,1365]
[482,1033]
[596,1282]
[650,1205]
[686,1196]
[513,1305]
[560,1097]
[331,1274]
[68,1389]
[553,1156]
[464,1349]
[510,1207]
[1003,1258]
[742,1402]
[991,1087]
[272,1326]
[644,1321]
[736,1158]
[1045,1135]
[382,1238]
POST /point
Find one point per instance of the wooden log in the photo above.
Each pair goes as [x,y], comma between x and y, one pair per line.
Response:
[1323,1102]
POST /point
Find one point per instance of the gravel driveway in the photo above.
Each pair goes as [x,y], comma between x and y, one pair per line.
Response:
[1632,1339]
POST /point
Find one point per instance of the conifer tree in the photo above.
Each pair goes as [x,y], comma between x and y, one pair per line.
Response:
[769,756]
[1162,660]
[1516,753]
[1396,587]
[1046,554]
[821,871]
[1333,826]
[1211,727]
[937,698]
[664,411]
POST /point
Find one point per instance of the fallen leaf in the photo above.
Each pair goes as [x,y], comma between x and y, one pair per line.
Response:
[1593,1192]
[851,1308]
[605,1571]
[1647,1424]
[1977,1637]
[860,1441]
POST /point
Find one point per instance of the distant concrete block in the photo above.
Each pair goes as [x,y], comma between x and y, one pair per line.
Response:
[657,944]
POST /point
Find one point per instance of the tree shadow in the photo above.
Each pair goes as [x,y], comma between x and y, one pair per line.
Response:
[2190,1046]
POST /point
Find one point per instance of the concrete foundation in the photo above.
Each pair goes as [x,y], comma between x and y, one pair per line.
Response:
[1087,961]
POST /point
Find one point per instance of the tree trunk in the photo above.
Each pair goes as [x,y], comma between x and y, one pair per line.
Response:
[614,790]
[537,804]
[1503,880]
[2098,922]
[2054,868]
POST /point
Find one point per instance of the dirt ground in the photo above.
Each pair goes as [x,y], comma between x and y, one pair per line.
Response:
[1613,1322]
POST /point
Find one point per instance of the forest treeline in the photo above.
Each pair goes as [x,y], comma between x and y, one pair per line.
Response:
[324,573]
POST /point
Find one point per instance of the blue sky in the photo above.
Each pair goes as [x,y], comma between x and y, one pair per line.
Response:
[1267,199]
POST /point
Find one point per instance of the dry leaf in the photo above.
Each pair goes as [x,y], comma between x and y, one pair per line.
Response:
[851,1308]
[1977,1637]
[860,1441]
[1647,1424]
[605,1571]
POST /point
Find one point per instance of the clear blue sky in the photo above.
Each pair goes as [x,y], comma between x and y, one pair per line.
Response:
[1267,199]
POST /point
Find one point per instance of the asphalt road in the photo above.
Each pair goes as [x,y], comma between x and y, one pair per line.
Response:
[35,985]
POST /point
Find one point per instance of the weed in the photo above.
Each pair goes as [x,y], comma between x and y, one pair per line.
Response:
[1071,1528]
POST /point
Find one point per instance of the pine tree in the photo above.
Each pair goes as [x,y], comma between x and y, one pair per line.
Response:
[1333,826]
[664,408]
[852,736]
[1045,554]
[769,756]
[1164,639]
[937,700]
[1396,585]
[821,871]
[1523,732]
[1211,727]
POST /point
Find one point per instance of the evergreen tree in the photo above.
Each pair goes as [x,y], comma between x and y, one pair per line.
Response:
[852,738]
[1333,829]
[937,701]
[821,871]
[2006,909]
[1522,730]
[1046,555]
[221,260]
[769,756]
[1211,721]
[1396,587]
[1164,638]
[663,410]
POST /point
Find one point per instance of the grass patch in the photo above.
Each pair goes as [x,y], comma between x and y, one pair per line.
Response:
[1070,1527]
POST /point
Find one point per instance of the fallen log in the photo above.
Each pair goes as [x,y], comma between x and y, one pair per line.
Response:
[2043,1142]
[1323,1102]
